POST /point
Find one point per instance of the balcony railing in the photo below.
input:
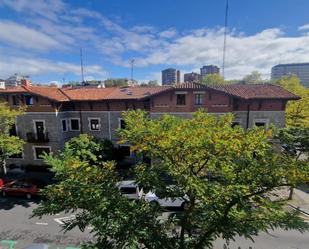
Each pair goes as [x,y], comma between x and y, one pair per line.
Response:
[37,137]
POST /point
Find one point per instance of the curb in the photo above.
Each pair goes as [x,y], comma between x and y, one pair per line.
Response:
[298,208]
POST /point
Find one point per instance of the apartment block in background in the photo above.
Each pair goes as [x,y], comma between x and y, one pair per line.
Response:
[192,77]
[170,76]
[209,69]
[301,70]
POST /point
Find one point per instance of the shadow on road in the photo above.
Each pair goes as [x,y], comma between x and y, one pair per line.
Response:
[8,203]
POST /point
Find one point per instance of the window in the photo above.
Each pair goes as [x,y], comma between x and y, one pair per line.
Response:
[40,151]
[198,99]
[15,100]
[260,124]
[181,99]
[64,125]
[122,123]
[29,100]
[75,124]
[94,124]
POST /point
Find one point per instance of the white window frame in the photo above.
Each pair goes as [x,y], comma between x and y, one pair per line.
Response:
[261,120]
[34,126]
[67,125]
[71,123]
[34,152]
[94,118]
[202,98]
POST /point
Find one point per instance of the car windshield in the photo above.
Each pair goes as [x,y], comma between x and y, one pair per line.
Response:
[128,190]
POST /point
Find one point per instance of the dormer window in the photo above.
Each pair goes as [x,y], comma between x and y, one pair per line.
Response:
[29,100]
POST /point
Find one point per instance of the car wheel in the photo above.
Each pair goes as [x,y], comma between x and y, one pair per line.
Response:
[185,205]
[28,196]
[154,204]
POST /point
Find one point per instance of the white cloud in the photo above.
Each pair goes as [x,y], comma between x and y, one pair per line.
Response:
[52,25]
[25,37]
[36,66]
[169,33]
[304,27]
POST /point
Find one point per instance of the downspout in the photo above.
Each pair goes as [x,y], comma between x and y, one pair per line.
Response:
[80,118]
[248,115]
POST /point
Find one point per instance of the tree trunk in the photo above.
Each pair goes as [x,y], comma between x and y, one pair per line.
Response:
[291,193]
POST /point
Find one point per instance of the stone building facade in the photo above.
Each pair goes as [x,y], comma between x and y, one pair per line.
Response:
[54,115]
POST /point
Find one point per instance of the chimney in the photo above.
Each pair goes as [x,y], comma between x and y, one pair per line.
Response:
[25,82]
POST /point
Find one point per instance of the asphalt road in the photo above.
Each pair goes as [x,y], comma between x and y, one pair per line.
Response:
[16,226]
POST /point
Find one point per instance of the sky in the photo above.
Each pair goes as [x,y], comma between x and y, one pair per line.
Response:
[42,38]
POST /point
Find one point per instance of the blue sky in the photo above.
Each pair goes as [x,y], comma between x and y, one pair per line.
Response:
[42,38]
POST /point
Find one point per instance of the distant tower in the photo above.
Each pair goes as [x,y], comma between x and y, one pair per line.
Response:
[170,76]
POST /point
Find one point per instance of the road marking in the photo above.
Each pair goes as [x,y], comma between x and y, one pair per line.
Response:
[42,223]
[62,220]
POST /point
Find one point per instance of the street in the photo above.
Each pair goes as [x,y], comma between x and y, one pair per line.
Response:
[15,225]
[18,229]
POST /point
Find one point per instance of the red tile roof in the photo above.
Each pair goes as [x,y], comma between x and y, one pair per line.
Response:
[256,91]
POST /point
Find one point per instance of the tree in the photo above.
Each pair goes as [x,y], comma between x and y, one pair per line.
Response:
[116,82]
[297,112]
[9,144]
[295,144]
[254,77]
[225,176]
[150,83]
[213,79]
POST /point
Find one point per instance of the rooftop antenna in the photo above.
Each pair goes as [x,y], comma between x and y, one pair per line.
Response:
[82,65]
[225,33]
[132,67]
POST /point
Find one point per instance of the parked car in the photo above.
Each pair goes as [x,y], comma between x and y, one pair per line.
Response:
[19,188]
[130,189]
[168,203]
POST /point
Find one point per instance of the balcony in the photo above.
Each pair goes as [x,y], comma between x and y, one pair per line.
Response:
[41,137]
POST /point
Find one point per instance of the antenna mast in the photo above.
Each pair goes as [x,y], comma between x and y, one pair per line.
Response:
[82,65]
[132,66]
[225,32]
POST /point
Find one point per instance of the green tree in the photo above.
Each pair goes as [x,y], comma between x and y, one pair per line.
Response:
[213,79]
[297,112]
[150,83]
[9,144]
[254,77]
[225,175]
[116,82]
[295,145]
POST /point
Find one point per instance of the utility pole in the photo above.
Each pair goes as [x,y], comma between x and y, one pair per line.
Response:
[224,39]
[82,65]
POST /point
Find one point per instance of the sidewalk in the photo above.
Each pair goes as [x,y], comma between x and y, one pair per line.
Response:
[300,200]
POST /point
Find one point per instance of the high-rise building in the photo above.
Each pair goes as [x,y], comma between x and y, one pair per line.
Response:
[170,76]
[191,77]
[209,69]
[301,70]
